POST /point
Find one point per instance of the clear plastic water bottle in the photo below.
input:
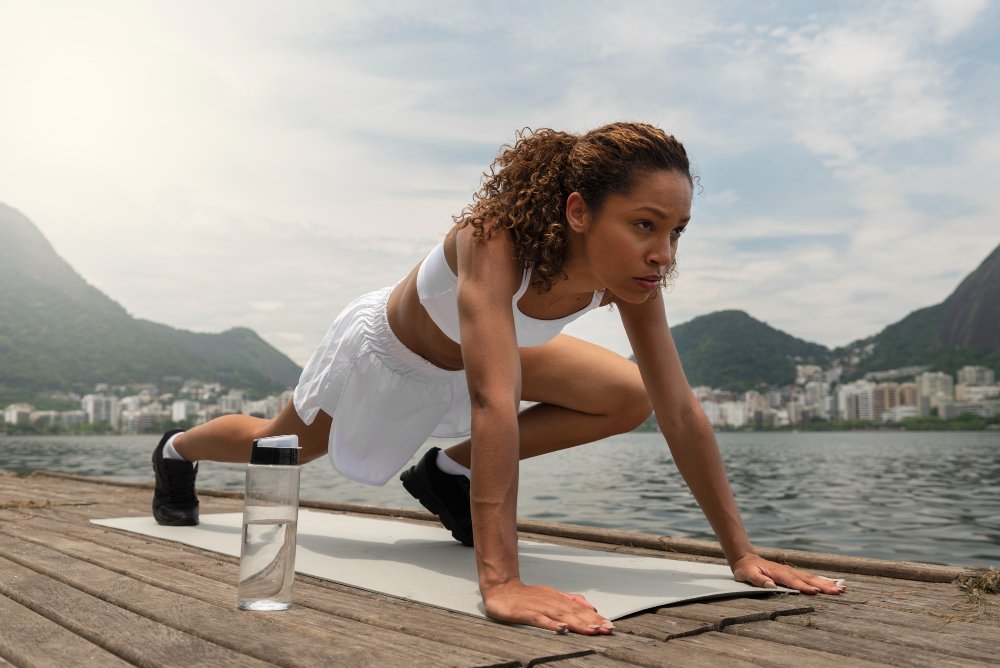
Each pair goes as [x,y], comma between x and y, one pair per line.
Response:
[270,518]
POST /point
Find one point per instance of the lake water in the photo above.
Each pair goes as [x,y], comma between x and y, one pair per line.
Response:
[917,496]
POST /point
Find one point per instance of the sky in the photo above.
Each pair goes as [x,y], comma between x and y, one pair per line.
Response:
[219,164]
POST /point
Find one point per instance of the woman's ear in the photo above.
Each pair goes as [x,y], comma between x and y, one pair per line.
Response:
[577,213]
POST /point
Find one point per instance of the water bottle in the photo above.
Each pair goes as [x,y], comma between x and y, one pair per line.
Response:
[270,516]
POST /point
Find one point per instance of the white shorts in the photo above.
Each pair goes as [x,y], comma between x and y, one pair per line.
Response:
[385,400]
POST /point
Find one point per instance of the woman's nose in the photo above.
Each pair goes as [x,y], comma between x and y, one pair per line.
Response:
[662,254]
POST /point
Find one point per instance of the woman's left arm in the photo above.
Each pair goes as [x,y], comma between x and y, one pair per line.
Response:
[695,451]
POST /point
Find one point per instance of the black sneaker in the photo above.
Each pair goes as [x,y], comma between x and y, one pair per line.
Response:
[174,500]
[445,495]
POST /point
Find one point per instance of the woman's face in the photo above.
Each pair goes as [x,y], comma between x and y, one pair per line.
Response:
[631,241]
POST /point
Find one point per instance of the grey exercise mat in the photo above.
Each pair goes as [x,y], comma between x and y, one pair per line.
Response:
[424,564]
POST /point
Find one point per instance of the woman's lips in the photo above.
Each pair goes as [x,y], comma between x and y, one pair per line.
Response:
[648,282]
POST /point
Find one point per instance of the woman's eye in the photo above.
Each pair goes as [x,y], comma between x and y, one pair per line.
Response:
[678,231]
[644,225]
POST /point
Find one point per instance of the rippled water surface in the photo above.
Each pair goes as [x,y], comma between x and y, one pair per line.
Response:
[927,496]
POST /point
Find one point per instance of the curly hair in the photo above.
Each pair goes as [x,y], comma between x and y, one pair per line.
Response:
[525,189]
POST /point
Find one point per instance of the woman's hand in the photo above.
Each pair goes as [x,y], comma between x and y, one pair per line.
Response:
[760,572]
[544,607]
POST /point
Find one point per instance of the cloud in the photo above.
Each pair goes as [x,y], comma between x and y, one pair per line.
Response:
[950,18]
[221,164]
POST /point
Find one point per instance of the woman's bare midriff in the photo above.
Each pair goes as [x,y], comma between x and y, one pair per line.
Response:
[415,329]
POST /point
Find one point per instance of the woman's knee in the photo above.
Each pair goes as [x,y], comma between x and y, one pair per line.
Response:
[632,406]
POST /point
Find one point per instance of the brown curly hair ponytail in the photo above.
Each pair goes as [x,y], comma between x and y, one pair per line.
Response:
[526,187]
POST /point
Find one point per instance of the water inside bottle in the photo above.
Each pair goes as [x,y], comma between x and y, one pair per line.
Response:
[267,564]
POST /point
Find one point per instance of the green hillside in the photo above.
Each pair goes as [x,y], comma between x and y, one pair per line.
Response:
[731,350]
[963,329]
[57,332]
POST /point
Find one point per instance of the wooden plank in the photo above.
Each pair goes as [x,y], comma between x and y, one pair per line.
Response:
[130,636]
[683,620]
[778,605]
[30,639]
[587,661]
[127,554]
[674,653]
[948,622]
[848,646]
[718,614]
[903,636]
[950,603]
[293,637]
[28,486]
[763,652]
[660,627]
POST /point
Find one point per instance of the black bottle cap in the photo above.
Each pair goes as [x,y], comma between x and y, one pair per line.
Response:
[275,451]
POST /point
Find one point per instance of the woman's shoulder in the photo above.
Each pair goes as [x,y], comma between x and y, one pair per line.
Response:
[487,259]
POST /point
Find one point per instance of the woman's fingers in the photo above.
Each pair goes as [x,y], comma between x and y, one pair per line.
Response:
[763,573]
[545,608]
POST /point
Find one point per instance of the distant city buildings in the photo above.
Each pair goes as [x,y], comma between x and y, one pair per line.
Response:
[140,408]
[887,396]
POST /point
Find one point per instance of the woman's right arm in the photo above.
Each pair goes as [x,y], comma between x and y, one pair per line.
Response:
[488,277]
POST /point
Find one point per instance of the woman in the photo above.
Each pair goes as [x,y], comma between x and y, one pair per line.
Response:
[561,225]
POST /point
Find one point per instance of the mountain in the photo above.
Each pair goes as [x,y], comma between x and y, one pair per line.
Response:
[963,329]
[972,312]
[57,332]
[731,350]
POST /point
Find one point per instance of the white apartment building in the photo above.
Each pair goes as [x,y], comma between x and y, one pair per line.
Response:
[860,405]
[733,413]
[934,389]
[232,402]
[976,375]
[976,392]
[72,418]
[815,400]
[184,411]
[101,408]
[712,412]
[18,414]
[855,401]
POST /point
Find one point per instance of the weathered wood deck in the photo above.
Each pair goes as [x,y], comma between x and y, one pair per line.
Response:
[72,594]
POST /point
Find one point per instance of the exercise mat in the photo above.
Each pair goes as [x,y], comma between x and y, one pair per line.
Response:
[423,563]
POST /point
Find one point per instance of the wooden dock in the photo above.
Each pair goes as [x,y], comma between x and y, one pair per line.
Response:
[76,594]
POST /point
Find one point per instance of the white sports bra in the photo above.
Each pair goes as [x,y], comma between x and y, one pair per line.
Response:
[437,288]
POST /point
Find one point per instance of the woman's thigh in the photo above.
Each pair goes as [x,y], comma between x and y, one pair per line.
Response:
[582,376]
